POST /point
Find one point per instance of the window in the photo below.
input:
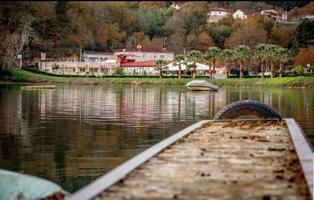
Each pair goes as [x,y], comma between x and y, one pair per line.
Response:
[162,56]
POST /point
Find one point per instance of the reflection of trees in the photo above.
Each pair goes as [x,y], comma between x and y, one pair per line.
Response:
[87,130]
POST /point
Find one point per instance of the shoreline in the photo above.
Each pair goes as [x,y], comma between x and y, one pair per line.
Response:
[23,77]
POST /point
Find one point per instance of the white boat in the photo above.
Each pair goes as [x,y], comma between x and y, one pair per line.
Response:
[202,85]
[15,186]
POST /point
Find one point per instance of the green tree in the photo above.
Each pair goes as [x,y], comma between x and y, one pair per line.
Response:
[242,53]
[160,66]
[194,56]
[212,54]
[219,34]
[304,33]
[178,60]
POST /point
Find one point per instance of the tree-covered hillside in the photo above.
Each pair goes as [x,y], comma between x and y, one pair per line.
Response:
[61,28]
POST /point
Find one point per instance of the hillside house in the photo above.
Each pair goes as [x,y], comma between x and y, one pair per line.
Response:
[243,14]
[216,14]
[278,16]
[175,6]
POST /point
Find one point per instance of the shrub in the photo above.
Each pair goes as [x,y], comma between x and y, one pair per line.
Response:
[299,70]
[119,71]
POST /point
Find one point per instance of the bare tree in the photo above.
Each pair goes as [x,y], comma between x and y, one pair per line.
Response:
[14,43]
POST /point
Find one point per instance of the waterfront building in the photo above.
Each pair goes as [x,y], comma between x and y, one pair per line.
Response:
[97,68]
[91,56]
[142,68]
[140,53]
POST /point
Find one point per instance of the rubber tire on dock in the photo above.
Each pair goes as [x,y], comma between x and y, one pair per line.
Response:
[247,107]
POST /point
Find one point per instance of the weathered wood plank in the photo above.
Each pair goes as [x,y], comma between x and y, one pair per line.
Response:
[222,160]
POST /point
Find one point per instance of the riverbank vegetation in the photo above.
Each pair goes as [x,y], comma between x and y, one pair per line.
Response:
[23,76]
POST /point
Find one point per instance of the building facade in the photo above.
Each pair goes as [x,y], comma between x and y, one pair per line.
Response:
[90,56]
[140,68]
[146,54]
[278,16]
[93,68]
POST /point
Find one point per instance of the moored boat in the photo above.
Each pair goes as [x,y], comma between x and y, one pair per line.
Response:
[201,85]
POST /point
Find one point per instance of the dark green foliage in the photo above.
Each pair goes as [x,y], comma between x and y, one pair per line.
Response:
[219,34]
[304,33]
[288,5]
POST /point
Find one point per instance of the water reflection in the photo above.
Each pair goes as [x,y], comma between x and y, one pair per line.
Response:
[73,134]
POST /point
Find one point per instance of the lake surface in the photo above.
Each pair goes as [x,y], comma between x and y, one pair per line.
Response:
[73,134]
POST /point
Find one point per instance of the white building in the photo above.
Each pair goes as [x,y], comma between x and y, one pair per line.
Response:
[278,16]
[90,56]
[243,14]
[216,14]
[96,68]
[175,6]
[142,68]
[310,17]
[142,54]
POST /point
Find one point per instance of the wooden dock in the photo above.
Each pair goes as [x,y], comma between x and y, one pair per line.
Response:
[238,159]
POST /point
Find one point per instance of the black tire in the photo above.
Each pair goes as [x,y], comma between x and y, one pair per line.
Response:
[247,107]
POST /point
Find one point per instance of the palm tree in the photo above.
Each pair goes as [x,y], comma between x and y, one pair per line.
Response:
[178,61]
[261,55]
[194,56]
[227,56]
[272,55]
[160,66]
[212,54]
[242,53]
[282,56]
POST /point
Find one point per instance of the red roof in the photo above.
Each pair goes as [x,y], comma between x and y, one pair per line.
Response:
[146,63]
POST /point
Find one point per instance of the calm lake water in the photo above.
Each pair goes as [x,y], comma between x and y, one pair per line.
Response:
[73,134]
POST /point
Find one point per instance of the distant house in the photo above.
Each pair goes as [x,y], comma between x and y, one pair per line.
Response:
[90,56]
[278,16]
[310,17]
[146,53]
[243,14]
[216,14]
[175,6]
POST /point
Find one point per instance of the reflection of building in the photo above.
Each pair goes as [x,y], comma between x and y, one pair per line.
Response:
[278,16]
[243,14]
[216,14]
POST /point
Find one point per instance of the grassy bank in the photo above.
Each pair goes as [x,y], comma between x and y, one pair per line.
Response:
[34,77]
